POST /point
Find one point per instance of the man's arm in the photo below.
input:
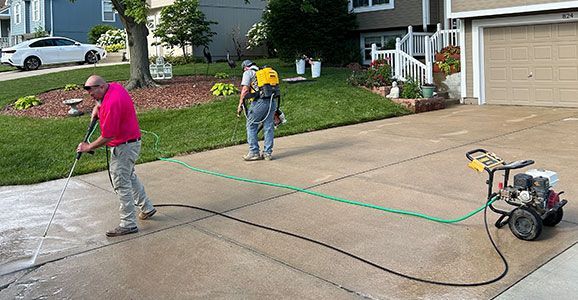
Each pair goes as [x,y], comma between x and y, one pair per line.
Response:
[94,114]
[99,142]
[244,92]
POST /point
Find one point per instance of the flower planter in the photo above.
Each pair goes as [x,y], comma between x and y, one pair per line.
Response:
[427,91]
[315,69]
[113,57]
[379,90]
[422,104]
[300,65]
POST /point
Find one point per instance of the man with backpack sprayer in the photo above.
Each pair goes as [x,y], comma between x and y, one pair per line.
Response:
[119,130]
[261,88]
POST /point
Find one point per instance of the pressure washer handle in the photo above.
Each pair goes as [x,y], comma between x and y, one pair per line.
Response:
[469,153]
[91,126]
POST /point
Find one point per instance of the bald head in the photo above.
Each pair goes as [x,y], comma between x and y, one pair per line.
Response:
[95,80]
[96,86]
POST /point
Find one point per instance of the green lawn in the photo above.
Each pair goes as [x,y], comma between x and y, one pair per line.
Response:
[36,150]
[4,68]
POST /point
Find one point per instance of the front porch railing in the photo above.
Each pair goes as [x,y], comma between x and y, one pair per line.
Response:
[4,42]
[402,61]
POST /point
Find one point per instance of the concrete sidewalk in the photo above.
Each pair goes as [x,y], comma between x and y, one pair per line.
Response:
[412,163]
[10,75]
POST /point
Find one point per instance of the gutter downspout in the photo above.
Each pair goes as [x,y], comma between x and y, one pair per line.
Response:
[51,20]
[425,14]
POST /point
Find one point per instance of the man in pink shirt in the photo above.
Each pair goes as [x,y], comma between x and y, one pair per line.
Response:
[120,131]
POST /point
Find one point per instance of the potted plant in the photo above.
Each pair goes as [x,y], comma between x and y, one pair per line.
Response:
[427,90]
[449,66]
[448,60]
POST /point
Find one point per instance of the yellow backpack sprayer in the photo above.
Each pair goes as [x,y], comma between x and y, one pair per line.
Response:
[268,87]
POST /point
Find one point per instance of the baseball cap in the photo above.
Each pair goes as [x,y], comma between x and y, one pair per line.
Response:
[247,63]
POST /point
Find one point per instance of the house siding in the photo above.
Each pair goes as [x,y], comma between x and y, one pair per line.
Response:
[17,29]
[34,25]
[436,11]
[74,20]
[230,14]
[469,61]
[405,12]
[474,5]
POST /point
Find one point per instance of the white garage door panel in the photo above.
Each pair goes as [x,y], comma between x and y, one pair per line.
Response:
[532,65]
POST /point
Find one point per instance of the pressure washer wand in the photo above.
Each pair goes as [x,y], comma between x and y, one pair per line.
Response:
[78,154]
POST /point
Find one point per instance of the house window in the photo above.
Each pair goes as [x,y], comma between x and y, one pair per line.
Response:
[370,5]
[382,41]
[107,11]
[36,10]
[17,13]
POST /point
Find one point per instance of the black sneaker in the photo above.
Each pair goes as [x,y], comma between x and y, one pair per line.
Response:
[121,231]
[143,216]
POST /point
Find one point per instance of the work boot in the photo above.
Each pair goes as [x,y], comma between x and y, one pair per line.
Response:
[121,231]
[252,156]
[267,156]
[143,216]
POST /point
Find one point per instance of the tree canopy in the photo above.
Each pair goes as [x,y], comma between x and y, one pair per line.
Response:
[183,24]
[316,28]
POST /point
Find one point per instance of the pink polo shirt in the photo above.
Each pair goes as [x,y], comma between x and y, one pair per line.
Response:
[117,116]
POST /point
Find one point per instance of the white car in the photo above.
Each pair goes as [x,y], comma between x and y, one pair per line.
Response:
[31,54]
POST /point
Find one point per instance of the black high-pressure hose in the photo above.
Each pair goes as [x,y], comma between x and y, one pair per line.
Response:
[361,259]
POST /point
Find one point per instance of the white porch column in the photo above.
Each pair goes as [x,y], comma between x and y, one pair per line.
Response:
[425,14]
[428,61]
[410,40]
[397,58]
[441,38]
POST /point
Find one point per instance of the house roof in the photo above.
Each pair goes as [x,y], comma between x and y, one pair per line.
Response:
[2,3]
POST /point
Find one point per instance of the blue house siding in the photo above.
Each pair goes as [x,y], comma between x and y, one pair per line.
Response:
[18,29]
[36,25]
[74,20]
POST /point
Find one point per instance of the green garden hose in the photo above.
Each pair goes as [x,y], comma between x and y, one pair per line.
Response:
[317,194]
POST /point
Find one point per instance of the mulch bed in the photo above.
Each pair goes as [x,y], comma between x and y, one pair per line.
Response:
[175,93]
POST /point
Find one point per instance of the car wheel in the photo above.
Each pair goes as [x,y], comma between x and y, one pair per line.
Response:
[31,63]
[91,57]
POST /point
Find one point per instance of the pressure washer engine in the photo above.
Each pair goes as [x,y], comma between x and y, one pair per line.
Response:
[536,203]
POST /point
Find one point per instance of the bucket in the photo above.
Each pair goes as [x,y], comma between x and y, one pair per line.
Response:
[315,69]
[427,91]
[300,65]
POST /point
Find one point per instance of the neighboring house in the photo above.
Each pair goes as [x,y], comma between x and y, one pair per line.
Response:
[519,52]
[4,24]
[382,21]
[233,17]
[59,18]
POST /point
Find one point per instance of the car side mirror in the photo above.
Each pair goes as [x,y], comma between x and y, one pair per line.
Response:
[77,44]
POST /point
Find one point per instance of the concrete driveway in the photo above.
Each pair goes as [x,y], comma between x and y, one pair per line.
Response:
[412,163]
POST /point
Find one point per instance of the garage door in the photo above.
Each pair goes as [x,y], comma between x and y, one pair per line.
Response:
[532,65]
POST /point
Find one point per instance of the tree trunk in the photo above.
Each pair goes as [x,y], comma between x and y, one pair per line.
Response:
[140,75]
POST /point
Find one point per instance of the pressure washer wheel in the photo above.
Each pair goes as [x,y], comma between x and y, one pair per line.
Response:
[525,223]
[554,218]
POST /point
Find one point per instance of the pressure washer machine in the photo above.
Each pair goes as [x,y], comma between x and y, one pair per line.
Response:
[536,203]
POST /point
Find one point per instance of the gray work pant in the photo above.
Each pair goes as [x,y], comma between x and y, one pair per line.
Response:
[126,184]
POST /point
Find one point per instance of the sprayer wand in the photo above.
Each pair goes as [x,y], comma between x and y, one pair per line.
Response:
[78,154]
